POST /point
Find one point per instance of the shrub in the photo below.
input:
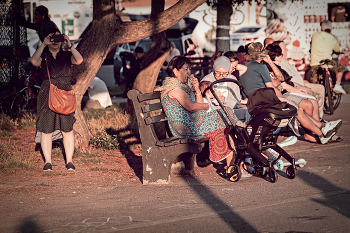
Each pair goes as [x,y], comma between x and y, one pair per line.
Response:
[6,123]
[105,141]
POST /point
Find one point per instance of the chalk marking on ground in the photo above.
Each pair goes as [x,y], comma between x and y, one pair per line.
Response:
[146,223]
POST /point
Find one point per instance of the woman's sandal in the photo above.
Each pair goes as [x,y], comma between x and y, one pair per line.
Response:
[335,138]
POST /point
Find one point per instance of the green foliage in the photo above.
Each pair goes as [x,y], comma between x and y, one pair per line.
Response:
[6,123]
[105,141]
[5,134]
[26,125]
[7,160]
[90,160]
[346,88]
[98,169]
[78,153]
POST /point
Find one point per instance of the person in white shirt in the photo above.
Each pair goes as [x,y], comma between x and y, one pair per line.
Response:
[322,46]
[98,95]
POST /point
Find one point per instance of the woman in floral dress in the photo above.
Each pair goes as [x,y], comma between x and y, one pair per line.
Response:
[187,113]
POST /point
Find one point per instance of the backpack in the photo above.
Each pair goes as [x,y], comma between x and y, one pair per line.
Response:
[265,100]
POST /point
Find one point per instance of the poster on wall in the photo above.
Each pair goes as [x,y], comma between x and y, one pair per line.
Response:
[295,22]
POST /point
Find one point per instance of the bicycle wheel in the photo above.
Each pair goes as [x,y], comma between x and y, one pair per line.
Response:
[336,100]
[19,102]
[329,96]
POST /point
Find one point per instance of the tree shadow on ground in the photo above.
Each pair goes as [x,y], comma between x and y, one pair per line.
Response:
[223,210]
[134,161]
[29,225]
[329,191]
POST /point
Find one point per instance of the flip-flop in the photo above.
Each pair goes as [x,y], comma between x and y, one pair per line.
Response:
[335,138]
[289,141]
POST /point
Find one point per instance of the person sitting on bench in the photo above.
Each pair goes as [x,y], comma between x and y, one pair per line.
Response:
[187,113]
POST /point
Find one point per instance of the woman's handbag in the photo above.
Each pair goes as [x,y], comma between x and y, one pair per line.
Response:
[61,101]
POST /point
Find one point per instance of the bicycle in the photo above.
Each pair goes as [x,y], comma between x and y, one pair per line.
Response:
[332,99]
[26,98]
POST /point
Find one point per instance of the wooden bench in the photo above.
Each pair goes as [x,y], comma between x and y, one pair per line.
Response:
[159,148]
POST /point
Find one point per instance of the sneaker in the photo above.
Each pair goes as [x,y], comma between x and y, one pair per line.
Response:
[325,140]
[339,89]
[70,167]
[271,154]
[293,125]
[47,167]
[331,127]
[245,174]
[279,165]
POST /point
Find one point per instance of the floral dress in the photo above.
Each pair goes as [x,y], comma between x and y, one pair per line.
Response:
[211,124]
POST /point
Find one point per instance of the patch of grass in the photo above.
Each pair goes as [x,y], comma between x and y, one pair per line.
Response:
[6,145]
[346,88]
[57,153]
[98,169]
[117,90]
[105,141]
[90,160]
[6,123]
[26,125]
[47,174]
[77,153]
[10,162]
[7,135]
[61,173]
[43,184]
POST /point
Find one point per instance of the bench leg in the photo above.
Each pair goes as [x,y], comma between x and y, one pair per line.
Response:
[157,161]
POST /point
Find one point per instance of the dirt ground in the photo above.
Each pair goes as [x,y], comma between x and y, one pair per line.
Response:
[100,169]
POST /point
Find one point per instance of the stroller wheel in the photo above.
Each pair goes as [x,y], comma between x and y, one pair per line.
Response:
[233,173]
[272,175]
[291,172]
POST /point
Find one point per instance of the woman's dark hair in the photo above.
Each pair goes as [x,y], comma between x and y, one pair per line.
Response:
[213,58]
[241,49]
[277,42]
[231,55]
[274,51]
[52,30]
[43,11]
[177,62]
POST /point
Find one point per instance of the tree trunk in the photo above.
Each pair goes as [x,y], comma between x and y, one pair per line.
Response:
[107,32]
[224,12]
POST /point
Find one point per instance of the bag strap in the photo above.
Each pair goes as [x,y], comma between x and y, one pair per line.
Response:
[47,67]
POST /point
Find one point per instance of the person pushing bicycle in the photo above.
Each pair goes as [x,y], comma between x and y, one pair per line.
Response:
[322,46]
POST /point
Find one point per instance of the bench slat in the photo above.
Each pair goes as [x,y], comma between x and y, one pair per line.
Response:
[148,96]
[155,119]
[152,107]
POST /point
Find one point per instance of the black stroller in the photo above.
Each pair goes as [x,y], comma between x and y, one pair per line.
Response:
[260,134]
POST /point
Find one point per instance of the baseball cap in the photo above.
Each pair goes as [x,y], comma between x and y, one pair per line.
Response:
[326,24]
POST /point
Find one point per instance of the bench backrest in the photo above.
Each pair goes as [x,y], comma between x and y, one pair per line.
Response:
[150,116]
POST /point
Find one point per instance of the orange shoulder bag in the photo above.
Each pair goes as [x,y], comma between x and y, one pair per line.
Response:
[61,101]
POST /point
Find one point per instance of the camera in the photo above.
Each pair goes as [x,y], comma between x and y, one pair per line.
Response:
[57,38]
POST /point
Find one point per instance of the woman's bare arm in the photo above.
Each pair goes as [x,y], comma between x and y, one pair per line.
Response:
[186,102]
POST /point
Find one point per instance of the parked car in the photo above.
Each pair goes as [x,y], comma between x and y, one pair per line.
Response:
[246,35]
[184,44]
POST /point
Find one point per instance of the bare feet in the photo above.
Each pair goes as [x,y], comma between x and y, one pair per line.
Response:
[309,138]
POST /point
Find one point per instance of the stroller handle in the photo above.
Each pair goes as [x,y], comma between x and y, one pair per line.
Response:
[243,93]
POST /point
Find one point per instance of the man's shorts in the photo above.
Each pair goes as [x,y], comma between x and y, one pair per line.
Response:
[314,77]
[295,98]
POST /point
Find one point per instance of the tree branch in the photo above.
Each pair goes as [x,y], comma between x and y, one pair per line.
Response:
[153,25]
